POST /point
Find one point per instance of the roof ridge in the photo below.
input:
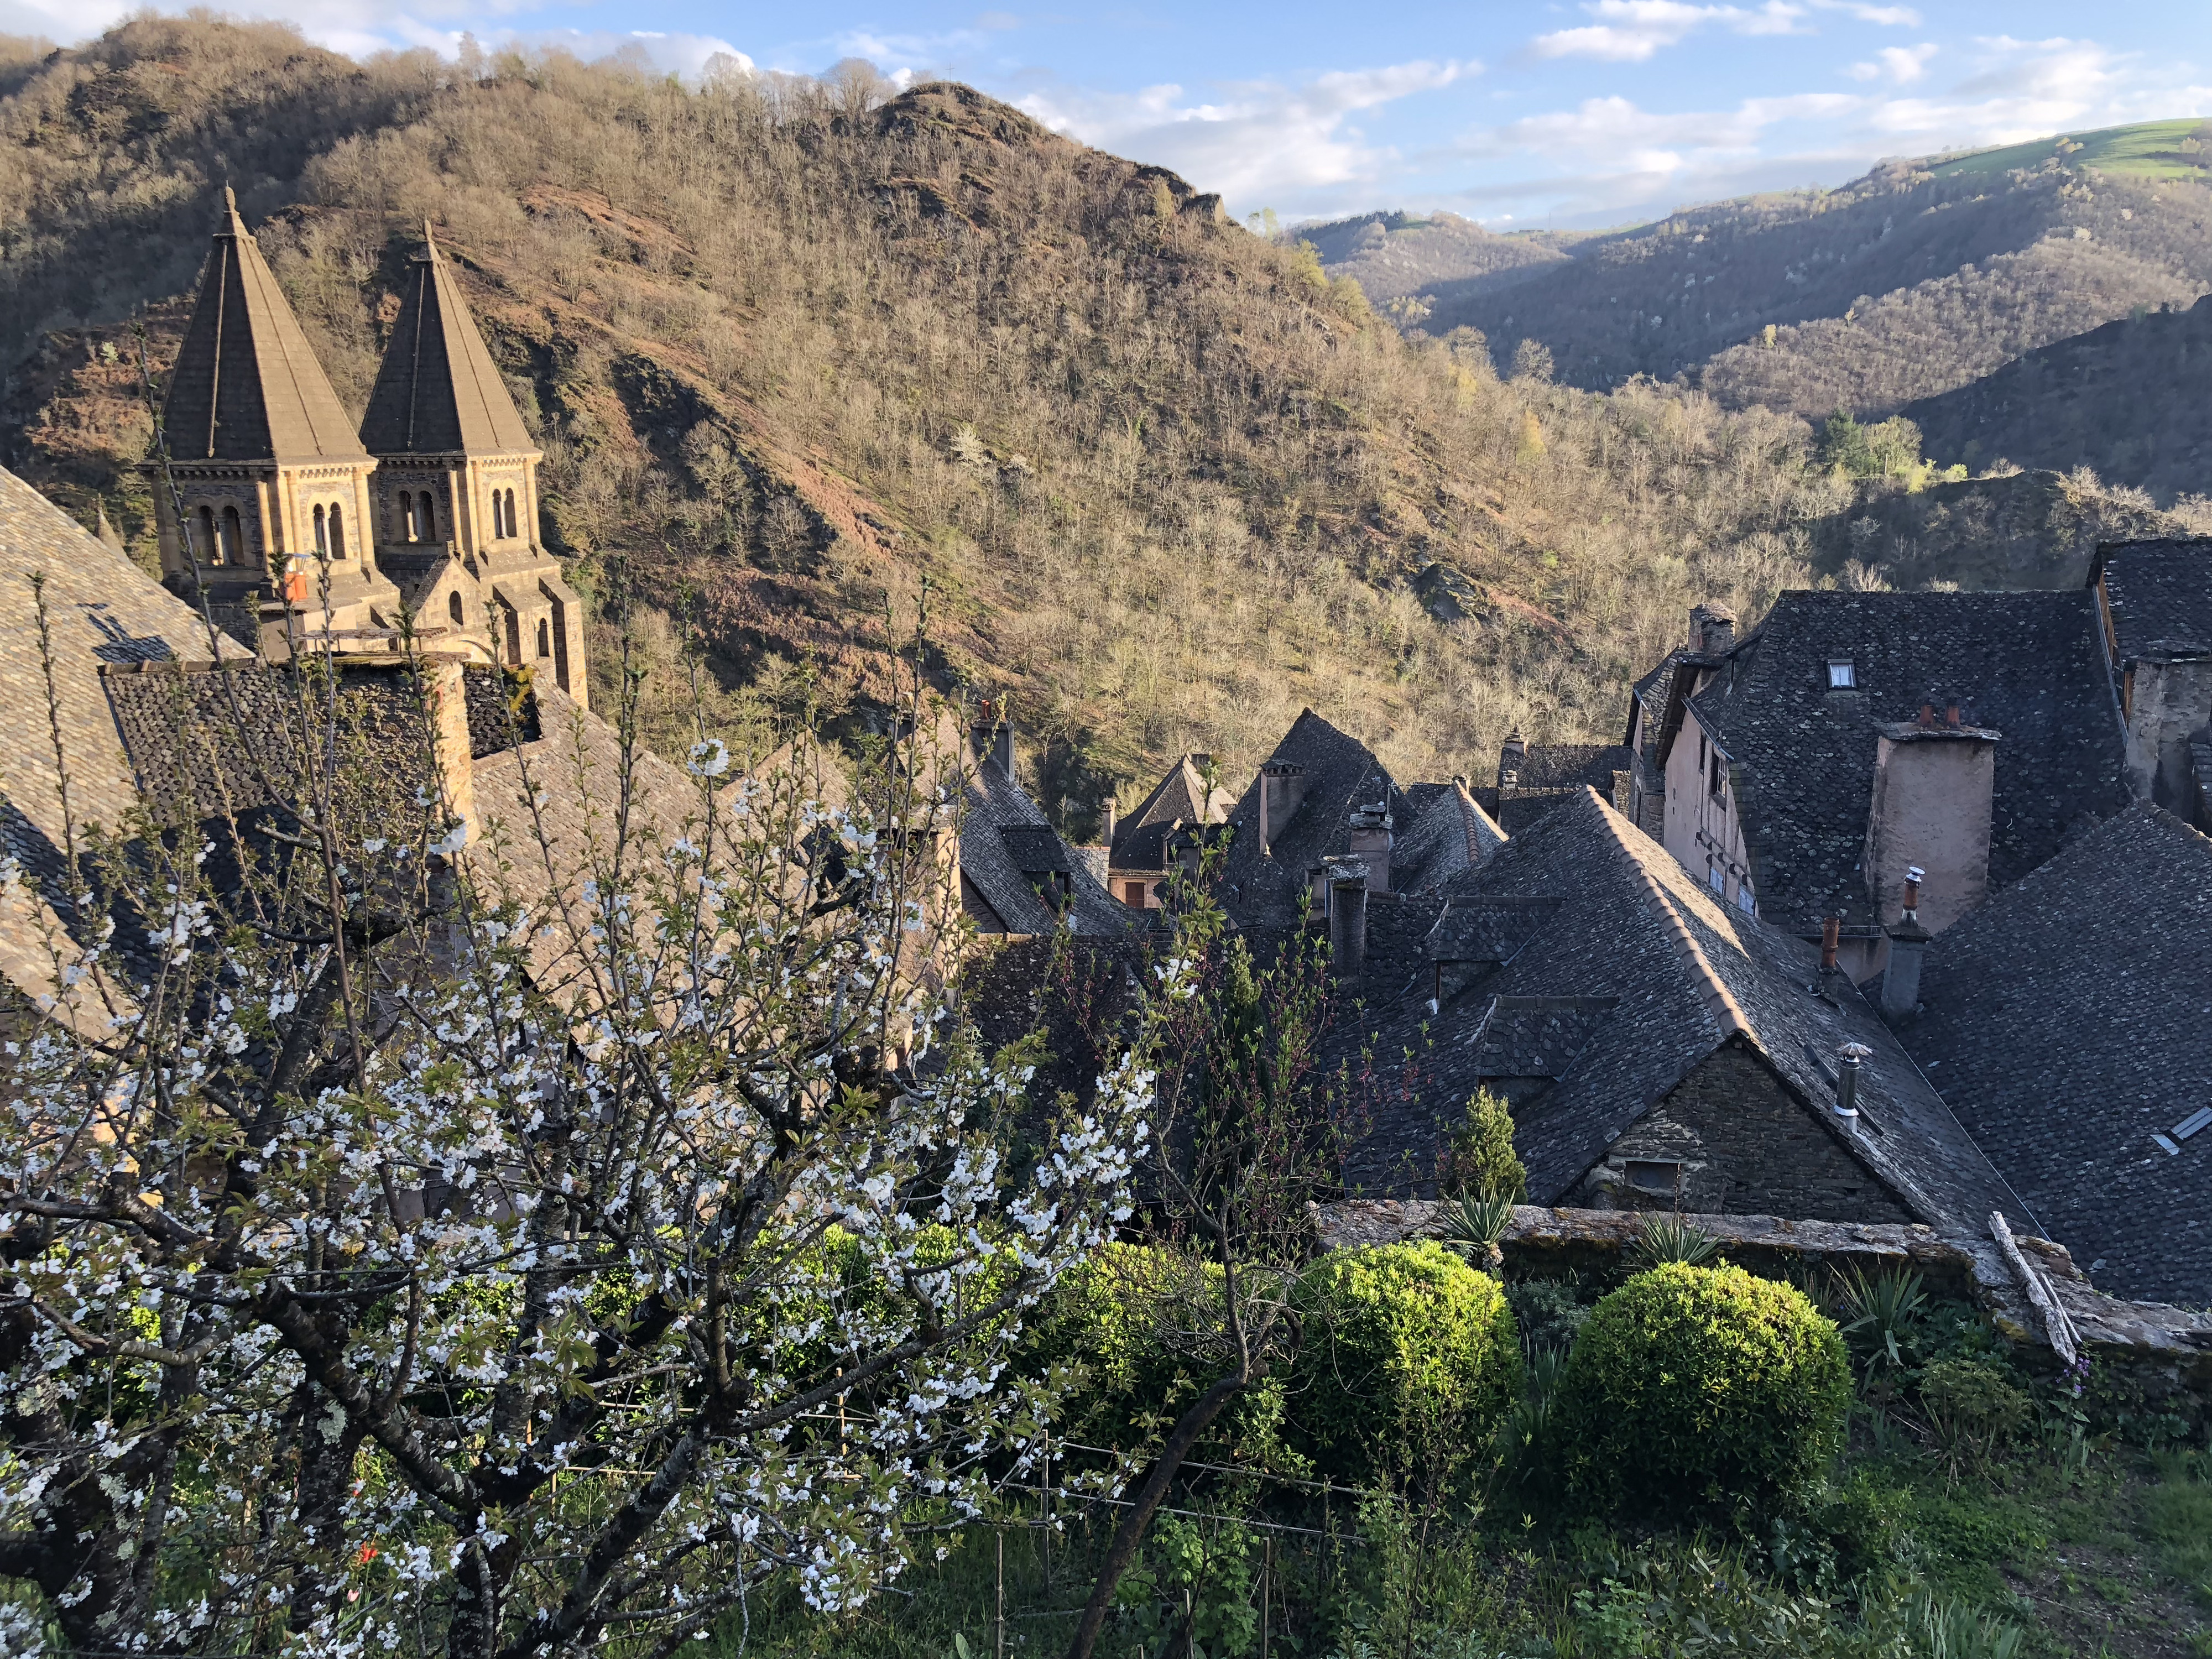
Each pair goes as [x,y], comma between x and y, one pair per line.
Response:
[1727,1013]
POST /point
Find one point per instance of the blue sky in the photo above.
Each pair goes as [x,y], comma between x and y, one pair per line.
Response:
[1578,112]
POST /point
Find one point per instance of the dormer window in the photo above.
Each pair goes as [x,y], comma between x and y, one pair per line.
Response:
[1841,676]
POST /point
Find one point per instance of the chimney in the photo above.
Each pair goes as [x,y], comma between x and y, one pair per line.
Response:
[1109,820]
[1847,1080]
[449,725]
[1282,786]
[1712,628]
[1929,820]
[1830,936]
[1908,944]
[1002,746]
[1371,841]
[1347,918]
[1509,757]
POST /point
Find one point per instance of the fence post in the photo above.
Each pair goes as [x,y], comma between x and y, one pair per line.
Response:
[999,1642]
[1044,1502]
[1267,1585]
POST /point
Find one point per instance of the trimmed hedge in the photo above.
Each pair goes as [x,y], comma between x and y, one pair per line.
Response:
[1700,1389]
[1403,1343]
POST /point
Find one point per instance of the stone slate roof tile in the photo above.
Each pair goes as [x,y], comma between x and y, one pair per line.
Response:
[2068,1022]
[1655,975]
[1340,773]
[437,390]
[1002,836]
[246,386]
[1181,796]
[1447,833]
[2159,594]
[2030,665]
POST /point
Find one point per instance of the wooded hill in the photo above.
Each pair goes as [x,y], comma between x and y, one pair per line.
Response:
[1918,279]
[790,353]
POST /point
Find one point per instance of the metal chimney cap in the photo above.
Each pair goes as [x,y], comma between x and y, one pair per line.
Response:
[1852,1052]
[1914,872]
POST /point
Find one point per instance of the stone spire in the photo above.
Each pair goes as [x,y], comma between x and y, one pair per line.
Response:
[246,386]
[437,390]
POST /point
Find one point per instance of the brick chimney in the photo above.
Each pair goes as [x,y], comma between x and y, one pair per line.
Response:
[1510,756]
[1908,945]
[1712,628]
[994,741]
[1347,917]
[1282,787]
[1933,785]
[449,725]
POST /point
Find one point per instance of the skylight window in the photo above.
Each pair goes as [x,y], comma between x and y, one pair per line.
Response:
[1841,676]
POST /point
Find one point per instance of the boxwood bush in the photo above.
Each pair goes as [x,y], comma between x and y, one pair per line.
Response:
[1406,1350]
[1702,1390]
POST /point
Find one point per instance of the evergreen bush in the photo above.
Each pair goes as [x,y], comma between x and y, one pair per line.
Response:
[1694,1388]
[1407,1351]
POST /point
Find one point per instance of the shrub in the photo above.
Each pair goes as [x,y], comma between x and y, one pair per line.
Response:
[1700,1388]
[1972,1408]
[1548,1312]
[1406,1349]
[1481,1162]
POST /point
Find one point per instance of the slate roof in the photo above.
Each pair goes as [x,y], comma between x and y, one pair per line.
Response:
[1547,773]
[1448,834]
[1615,972]
[2032,665]
[1340,773]
[246,386]
[1005,840]
[2158,595]
[437,390]
[1181,796]
[2068,1022]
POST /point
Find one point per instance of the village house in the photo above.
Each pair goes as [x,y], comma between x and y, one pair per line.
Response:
[1144,848]
[1660,1048]
[1805,771]
[1535,777]
[2155,598]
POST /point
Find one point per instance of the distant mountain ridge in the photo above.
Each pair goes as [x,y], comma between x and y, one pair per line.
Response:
[1908,283]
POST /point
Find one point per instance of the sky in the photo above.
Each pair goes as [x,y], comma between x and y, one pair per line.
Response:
[1576,113]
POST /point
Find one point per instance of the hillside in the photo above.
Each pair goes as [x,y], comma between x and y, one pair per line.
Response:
[2131,400]
[1910,282]
[1393,255]
[791,355]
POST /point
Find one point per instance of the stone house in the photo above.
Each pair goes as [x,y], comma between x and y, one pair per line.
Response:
[2156,599]
[1019,877]
[1805,769]
[1535,777]
[1144,847]
[1659,1047]
[299,528]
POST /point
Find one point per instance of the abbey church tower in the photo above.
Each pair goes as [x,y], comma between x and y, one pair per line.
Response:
[456,489]
[274,482]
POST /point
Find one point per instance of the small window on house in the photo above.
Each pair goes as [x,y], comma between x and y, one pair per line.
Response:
[453,609]
[1715,878]
[1841,676]
[1133,894]
[1719,777]
[1651,1176]
[1701,749]
[1744,900]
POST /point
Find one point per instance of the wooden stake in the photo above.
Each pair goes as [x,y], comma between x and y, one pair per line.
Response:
[998,1643]
[1267,1584]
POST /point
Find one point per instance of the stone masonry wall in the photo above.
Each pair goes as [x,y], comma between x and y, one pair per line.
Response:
[1747,1147]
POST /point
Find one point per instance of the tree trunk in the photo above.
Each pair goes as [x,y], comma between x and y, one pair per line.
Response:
[1131,1533]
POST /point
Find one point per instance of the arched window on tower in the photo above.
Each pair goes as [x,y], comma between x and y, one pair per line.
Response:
[232,550]
[338,532]
[545,638]
[430,518]
[513,526]
[205,553]
[453,609]
[515,639]
[322,532]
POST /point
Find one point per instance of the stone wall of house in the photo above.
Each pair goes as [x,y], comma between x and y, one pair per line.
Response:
[1744,1145]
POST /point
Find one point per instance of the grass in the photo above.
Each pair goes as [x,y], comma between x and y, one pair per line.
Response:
[2148,150]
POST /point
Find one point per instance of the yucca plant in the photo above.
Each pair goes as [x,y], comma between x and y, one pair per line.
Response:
[1664,1238]
[1472,1226]
[1882,1316]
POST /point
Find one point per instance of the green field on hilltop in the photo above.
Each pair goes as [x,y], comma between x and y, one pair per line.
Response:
[2152,149]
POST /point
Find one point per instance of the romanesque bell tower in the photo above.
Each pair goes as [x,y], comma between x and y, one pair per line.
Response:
[455,490]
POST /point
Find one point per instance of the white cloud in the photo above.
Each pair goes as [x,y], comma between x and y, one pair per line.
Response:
[1891,17]
[1903,64]
[1260,143]
[1631,30]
